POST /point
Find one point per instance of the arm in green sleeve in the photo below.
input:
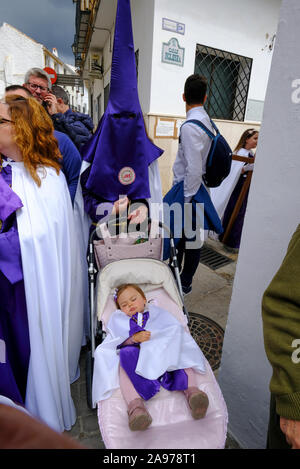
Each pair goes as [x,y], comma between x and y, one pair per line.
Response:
[281,326]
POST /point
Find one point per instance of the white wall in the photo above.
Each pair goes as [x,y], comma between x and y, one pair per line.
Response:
[237,26]
[142,12]
[272,215]
[19,53]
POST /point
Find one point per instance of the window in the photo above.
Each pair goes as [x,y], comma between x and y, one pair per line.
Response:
[228,77]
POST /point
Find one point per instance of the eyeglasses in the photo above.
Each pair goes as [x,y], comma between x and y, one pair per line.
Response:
[34,87]
[4,121]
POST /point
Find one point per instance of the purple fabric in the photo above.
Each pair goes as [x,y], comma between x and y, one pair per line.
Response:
[234,238]
[9,201]
[172,381]
[120,140]
[10,252]
[14,330]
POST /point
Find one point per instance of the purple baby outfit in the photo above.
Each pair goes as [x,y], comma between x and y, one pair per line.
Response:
[129,354]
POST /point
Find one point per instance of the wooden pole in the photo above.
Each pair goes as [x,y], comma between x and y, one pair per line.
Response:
[241,197]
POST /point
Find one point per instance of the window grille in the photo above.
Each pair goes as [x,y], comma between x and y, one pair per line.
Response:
[228,77]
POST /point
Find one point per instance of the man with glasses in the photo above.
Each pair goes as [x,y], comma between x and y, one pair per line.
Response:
[38,82]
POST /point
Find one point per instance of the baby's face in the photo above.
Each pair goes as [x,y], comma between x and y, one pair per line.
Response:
[131,301]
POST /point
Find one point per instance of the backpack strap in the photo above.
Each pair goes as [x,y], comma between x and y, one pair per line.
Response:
[203,127]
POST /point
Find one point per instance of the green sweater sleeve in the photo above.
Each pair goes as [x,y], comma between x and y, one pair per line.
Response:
[281,326]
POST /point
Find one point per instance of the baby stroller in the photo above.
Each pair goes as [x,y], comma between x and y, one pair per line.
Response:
[173,425]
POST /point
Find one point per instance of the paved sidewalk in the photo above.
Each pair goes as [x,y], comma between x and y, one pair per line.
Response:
[210,297]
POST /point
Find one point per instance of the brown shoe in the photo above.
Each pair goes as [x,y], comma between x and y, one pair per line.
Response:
[138,416]
[198,402]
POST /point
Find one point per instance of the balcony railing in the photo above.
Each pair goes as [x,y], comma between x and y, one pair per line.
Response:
[86,11]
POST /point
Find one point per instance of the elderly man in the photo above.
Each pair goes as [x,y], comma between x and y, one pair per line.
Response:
[71,163]
[38,82]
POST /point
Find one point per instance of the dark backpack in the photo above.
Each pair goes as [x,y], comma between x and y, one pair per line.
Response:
[219,158]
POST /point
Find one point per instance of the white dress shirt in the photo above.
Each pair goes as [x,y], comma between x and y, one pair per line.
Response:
[190,162]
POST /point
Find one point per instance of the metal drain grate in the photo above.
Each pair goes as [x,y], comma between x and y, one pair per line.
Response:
[209,336]
[213,259]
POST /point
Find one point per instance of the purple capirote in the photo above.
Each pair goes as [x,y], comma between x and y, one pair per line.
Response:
[171,380]
[120,150]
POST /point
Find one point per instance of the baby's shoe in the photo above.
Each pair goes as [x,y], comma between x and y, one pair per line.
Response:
[138,416]
[198,402]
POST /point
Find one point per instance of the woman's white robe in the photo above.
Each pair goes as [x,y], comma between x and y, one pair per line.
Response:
[220,195]
[53,287]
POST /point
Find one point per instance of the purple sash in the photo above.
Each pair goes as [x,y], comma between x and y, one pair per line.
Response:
[171,380]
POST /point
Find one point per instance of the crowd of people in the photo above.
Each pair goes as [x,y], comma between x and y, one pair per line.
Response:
[54,171]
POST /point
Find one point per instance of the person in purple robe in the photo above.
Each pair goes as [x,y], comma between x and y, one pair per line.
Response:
[135,388]
[120,152]
[14,330]
[39,345]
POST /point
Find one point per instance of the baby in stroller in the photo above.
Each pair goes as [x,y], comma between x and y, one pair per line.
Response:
[154,350]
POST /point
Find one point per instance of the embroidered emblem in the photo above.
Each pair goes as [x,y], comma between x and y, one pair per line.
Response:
[126,176]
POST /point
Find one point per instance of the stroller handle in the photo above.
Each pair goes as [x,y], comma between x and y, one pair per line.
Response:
[149,221]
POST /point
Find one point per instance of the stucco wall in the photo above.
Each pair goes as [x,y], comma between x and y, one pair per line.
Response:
[271,218]
[238,26]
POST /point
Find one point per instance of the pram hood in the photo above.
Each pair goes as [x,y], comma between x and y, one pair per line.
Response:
[149,274]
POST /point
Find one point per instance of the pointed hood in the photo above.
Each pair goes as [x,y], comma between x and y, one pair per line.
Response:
[120,150]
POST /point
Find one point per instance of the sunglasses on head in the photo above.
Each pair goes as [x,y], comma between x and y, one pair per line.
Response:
[251,132]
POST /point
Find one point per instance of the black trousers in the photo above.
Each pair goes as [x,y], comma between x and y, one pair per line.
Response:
[276,438]
[188,261]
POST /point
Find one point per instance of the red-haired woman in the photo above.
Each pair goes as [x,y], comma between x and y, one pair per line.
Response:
[41,322]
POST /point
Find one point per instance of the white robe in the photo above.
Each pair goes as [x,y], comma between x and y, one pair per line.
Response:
[220,195]
[83,223]
[53,280]
[169,348]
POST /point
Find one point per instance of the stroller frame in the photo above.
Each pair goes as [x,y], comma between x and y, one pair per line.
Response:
[97,334]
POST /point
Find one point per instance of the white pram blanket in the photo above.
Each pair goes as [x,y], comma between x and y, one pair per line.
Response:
[169,348]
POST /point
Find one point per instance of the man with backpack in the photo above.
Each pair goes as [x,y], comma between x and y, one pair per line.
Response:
[190,167]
